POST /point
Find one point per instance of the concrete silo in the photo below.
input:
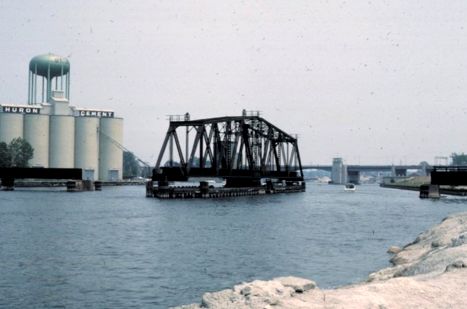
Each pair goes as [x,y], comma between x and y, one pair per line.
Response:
[87,146]
[61,135]
[62,141]
[36,133]
[110,149]
[11,126]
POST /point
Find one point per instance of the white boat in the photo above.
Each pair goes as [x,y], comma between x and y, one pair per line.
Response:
[350,187]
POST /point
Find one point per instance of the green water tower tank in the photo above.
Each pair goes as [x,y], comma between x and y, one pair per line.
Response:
[41,64]
[53,74]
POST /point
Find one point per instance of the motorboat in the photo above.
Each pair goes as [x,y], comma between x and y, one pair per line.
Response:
[350,187]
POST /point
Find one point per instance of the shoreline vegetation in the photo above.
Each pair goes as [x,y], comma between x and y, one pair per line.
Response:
[430,272]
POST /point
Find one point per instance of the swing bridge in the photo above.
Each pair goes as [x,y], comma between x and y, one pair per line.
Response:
[244,151]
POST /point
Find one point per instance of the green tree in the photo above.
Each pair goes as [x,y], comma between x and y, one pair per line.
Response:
[459,159]
[5,157]
[20,152]
[131,167]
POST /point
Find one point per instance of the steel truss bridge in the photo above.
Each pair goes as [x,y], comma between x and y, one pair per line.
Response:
[241,149]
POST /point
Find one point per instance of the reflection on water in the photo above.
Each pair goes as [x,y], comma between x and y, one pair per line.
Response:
[116,248]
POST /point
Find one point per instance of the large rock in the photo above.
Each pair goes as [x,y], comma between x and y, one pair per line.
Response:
[255,294]
[299,285]
[394,250]
[431,252]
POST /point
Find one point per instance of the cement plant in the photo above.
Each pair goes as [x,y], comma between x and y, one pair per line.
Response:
[62,135]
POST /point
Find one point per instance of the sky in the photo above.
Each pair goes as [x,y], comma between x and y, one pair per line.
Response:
[374,82]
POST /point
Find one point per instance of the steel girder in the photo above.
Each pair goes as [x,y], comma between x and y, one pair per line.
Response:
[228,147]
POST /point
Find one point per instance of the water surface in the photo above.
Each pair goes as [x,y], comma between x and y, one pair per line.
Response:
[118,249]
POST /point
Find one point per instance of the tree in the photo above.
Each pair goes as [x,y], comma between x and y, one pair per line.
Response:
[20,151]
[131,167]
[17,153]
[5,157]
[459,159]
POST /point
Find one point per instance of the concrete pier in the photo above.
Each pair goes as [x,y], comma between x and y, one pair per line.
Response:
[83,185]
[429,191]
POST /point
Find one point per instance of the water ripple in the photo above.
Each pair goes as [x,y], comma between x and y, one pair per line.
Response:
[118,249]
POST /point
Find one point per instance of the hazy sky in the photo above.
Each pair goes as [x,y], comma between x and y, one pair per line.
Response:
[371,81]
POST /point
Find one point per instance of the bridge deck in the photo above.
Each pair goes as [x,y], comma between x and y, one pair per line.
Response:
[40,173]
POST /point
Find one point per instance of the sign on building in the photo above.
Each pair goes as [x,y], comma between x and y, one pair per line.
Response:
[94,113]
[20,109]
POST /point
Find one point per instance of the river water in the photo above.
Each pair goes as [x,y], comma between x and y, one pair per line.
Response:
[118,249]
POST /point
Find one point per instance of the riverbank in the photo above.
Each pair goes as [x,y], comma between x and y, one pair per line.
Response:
[430,272]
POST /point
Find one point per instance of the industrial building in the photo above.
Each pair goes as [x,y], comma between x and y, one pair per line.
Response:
[63,136]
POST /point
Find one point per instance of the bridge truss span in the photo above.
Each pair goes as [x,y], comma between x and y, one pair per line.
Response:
[240,149]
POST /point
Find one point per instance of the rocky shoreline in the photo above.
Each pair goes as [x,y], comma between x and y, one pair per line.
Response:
[430,272]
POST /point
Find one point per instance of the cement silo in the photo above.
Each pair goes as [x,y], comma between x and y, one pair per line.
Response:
[61,135]
[110,149]
[36,132]
[62,141]
[11,126]
[87,146]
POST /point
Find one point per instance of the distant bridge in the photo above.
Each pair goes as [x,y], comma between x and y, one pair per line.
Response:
[341,173]
[367,168]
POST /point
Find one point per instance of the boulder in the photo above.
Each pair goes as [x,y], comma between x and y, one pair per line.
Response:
[255,294]
[394,250]
[299,285]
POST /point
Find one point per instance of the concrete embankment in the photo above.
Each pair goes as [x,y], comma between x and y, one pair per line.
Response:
[430,272]
[405,183]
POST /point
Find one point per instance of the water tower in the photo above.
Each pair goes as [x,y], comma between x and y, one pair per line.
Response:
[53,73]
